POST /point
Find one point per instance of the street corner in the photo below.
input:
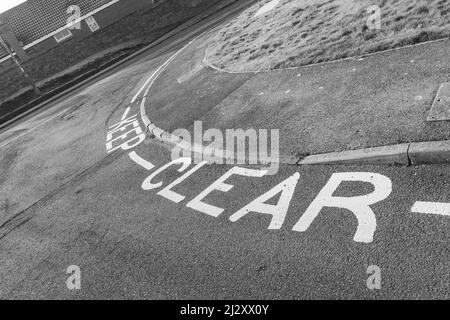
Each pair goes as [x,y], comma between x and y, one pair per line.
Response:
[173,104]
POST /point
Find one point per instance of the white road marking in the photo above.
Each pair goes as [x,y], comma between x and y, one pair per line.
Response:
[148,185]
[173,196]
[278,211]
[145,84]
[152,80]
[160,69]
[122,123]
[140,161]
[438,208]
[359,205]
[125,114]
[220,185]
[136,138]
[131,143]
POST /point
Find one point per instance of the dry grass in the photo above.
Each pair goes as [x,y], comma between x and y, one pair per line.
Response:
[302,32]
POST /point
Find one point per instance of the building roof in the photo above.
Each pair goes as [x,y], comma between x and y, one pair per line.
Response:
[35,19]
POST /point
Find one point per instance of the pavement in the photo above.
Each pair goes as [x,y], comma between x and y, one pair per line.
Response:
[79,187]
[378,100]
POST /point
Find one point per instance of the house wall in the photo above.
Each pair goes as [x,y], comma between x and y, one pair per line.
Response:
[104,18]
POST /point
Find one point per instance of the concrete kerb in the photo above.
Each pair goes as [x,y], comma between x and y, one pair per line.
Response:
[418,153]
[429,152]
[415,153]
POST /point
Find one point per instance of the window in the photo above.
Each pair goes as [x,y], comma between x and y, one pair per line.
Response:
[62,35]
[92,23]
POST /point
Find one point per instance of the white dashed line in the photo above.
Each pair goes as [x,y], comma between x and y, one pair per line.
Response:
[125,114]
[438,208]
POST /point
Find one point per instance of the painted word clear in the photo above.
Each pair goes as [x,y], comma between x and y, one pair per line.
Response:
[360,205]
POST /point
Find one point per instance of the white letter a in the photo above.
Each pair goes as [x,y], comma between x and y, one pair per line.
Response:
[278,211]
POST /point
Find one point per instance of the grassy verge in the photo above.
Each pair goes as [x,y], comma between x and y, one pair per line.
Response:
[302,32]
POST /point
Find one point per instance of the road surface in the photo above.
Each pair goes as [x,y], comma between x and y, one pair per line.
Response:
[71,198]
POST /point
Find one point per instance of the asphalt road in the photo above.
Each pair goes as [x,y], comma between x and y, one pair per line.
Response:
[65,201]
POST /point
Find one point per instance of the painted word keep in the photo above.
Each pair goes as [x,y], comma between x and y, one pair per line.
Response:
[124,135]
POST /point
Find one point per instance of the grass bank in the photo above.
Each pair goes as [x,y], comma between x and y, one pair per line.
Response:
[302,32]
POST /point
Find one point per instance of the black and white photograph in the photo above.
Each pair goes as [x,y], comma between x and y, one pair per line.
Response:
[217,158]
